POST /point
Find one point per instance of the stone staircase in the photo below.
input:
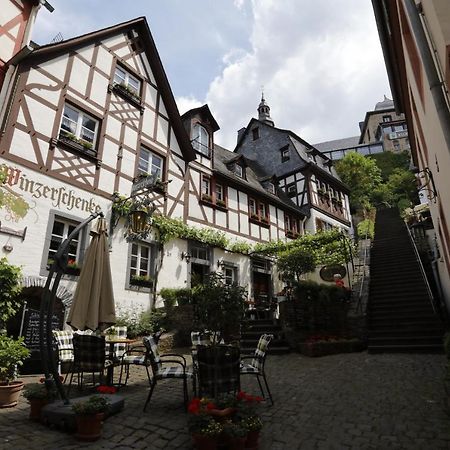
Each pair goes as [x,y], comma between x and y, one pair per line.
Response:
[400,313]
[251,331]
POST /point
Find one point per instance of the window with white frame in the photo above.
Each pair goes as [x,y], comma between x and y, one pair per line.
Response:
[77,125]
[128,81]
[140,263]
[239,170]
[150,163]
[230,275]
[252,207]
[271,188]
[206,187]
[200,139]
[61,229]
[220,193]
[262,209]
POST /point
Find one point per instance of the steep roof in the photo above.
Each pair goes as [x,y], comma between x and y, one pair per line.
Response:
[337,144]
[139,24]
[255,175]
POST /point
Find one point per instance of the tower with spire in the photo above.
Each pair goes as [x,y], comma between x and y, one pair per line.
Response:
[264,112]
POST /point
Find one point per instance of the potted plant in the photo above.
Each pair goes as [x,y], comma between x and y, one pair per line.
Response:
[235,435]
[253,425]
[206,198]
[12,355]
[205,431]
[72,268]
[246,414]
[12,351]
[38,396]
[221,203]
[89,415]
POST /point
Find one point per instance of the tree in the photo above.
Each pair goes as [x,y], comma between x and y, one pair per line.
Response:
[402,184]
[362,175]
[294,262]
[389,161]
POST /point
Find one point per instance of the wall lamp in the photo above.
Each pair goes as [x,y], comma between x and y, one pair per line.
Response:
[220,263]
[426,181]
[186,256]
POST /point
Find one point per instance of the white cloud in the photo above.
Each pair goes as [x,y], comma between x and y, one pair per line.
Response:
[186,103]
[320,63]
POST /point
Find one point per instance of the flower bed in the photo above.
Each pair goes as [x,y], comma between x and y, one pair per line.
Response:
[330,345]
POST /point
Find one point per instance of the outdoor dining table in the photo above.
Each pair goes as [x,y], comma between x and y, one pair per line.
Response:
[112,342]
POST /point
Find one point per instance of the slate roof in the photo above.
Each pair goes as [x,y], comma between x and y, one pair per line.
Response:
[255,174]
[338,144]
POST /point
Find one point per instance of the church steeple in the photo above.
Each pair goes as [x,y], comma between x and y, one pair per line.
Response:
[264,112]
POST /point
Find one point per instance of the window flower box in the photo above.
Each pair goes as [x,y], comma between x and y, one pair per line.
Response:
[221,203]
[128,94]
[321,191]
[74,145]
[141,281]
[207,198]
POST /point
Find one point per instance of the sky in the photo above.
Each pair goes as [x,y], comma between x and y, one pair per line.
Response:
[319,62]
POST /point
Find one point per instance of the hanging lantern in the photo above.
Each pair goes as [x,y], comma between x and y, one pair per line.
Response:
[139,219]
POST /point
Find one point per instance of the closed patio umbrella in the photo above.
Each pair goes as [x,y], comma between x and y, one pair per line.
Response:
[93,302]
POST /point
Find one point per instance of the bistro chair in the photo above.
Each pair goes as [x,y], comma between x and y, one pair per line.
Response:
[64,344]
[119,332]
[218,369]
[256,366]
[89,356]
[134,356]
[177,368]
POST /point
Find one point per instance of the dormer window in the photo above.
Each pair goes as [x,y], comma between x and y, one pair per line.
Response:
[239,170]
[270,188]
[285,155]
[124,78]
[200,140]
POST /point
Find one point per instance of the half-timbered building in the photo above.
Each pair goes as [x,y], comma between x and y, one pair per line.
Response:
[82,119]
[304,173]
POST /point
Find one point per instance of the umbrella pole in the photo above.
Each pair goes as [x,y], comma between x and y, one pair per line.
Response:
[48,298]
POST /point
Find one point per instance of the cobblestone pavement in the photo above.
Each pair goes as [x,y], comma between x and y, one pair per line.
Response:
[348,401]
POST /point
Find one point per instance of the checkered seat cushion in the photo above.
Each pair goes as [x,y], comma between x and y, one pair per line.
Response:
[64,343]
[173,372]
[119,349]
[260,353]
[247,368]
[89,353]
[139,360]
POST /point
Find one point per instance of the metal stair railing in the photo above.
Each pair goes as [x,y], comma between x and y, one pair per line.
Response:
[364,275]
[433,300]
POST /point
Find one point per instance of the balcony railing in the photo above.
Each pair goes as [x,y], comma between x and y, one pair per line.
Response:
[201,148]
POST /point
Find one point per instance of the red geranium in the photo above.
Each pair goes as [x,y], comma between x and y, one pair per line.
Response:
[106,389]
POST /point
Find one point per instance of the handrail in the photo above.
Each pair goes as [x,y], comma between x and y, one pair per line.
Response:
[359,304]
[422,271]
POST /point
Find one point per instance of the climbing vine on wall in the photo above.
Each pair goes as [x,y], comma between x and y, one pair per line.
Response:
[327,247]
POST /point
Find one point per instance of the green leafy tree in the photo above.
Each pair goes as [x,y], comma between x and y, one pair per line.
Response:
[402,184]
[294,262]
[389,161]
[362,175]
[10,288]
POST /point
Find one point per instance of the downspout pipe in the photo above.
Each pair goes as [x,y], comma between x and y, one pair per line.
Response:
[436,85]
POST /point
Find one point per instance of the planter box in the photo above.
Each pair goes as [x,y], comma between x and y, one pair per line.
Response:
[141,283]
[315,349]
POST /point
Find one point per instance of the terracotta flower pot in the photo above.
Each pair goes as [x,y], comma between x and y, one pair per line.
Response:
[89,427]
[222,415]
[252,439]
[9,393]
[237,443]
[202,442]
[36,405]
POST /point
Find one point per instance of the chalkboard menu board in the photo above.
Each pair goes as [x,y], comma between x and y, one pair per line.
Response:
[31,329]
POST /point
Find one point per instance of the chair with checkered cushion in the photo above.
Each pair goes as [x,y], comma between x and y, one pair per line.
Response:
[134,356]
[218,370]
[64,343]
[119,332]
[89,356]
[169,365]
[256,365]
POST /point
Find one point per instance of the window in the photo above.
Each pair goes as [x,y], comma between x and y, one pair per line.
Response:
[239,170]
[60,230]
[262,209]
[387,118]
[396,145]
[140,268]
[79,126]
[206,188]
[220,194]
[255,133]
[128,81]
[252,207]
[271,188]
[291,190]
[150,163]
[200,253]
[200,139]
[285,155]
[291,225]
[230,274]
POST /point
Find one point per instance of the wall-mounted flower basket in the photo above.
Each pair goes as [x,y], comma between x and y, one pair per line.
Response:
[141,283]
[221,203]
[206,198]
